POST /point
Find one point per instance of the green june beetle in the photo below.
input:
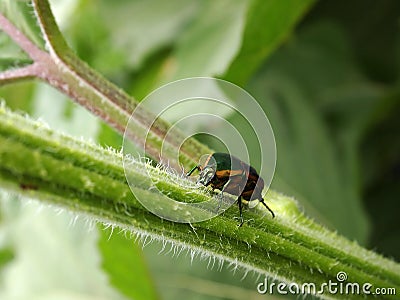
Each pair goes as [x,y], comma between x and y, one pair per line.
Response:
[229,174]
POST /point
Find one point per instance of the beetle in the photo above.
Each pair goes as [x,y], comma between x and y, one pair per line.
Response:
[229,174]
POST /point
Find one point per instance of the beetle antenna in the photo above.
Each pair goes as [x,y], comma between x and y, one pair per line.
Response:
[266,206]
[192,170]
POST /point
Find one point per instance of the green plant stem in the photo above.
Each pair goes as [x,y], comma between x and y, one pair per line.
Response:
[62,69]
[90,180]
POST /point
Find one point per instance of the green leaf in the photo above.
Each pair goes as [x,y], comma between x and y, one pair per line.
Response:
[205,46]
[208,45]
[22,16]
[6,255]
[88,32]
[18,96]
[268,25]
[139,28]
[380,150]
[10,54]
[145,80]
[65,116]
[125,265]
[132,35]
[108,137]
[57,248]
[311,90]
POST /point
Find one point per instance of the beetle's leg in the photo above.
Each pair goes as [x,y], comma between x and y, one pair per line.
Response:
[192,170]
[245,177]
[266,206]
[221,195]
[239,200]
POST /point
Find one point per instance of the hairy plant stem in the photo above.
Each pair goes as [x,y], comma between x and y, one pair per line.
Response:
[90,180]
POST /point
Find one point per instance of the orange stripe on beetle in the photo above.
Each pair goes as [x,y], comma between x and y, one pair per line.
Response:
[223,173]
[228,173]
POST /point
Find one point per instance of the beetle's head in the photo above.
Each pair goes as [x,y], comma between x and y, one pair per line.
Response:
[206,175]
[207,167]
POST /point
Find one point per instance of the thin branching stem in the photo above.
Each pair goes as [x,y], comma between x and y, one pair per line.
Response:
[62,69]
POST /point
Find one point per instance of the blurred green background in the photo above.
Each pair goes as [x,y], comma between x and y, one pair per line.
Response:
[327,76]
